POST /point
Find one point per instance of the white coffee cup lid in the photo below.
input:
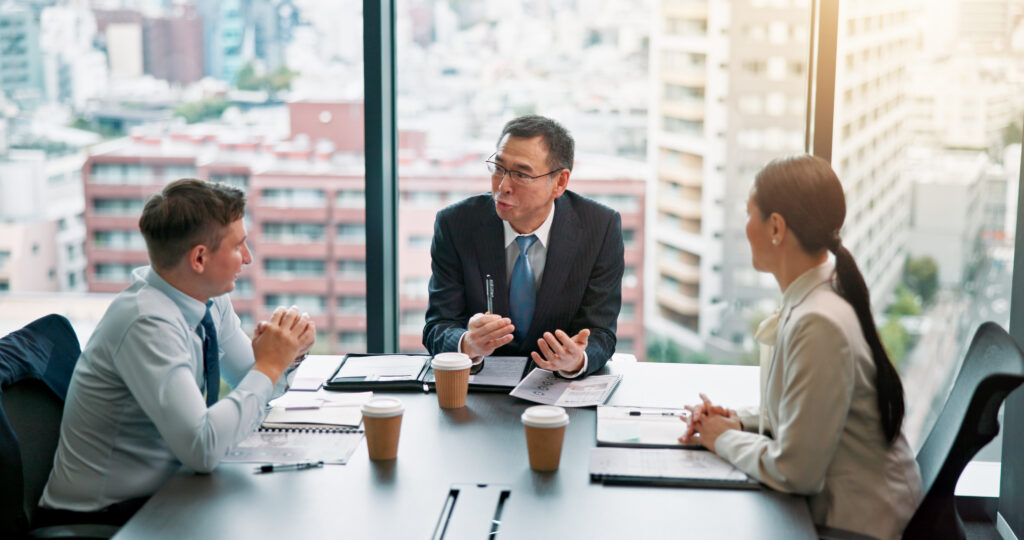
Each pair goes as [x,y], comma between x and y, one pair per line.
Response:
[545,416]
[451,361]
[383,407]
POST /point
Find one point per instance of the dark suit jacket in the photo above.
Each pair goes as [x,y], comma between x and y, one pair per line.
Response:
[581,286]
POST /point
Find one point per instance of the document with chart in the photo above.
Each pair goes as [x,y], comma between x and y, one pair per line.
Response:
[543,386]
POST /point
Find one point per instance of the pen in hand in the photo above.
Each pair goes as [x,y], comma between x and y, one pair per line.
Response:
[270,467]
[490,294]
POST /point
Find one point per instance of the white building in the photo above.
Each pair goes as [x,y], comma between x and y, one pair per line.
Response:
[946,208]
[42,206]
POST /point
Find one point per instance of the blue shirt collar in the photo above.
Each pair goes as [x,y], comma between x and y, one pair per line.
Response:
[192,309]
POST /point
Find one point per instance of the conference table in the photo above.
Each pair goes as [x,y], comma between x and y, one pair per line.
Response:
[481,445]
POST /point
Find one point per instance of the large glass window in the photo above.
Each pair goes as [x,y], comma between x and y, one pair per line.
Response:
[931,171]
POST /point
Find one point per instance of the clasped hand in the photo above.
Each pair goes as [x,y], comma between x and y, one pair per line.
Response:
[707,421]
[282,339]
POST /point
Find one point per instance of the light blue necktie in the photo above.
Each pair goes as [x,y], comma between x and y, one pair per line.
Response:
[522,297]
[211,360]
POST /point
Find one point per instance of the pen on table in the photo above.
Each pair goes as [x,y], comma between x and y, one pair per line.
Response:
[490,294]
[662,413]
[270,467]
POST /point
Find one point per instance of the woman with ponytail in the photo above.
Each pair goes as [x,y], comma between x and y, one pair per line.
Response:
[829,425]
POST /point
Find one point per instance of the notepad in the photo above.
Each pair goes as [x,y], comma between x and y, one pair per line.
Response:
[332,445]
[667,467]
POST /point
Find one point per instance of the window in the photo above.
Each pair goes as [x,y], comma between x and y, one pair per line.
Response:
[293,233]
[350,233]
[118,207]
[349,305]
[119,240]
[294,198]
[293,268]
[314,304]
[352,269]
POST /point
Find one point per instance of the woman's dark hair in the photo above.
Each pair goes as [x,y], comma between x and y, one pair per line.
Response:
[188,212]
[806,192]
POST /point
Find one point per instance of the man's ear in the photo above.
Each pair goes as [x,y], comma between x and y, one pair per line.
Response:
[560,184]
[198,256]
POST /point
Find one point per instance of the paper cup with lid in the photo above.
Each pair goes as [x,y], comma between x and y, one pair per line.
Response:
[382,420]
[545,429]
[451,378]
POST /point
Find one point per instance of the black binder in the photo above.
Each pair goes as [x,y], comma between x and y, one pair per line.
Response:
[412,372]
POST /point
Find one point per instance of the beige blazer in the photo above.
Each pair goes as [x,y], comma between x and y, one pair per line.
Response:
[820,405]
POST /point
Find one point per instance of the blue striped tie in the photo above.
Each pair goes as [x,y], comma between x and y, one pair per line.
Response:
[522,297]
[211,358]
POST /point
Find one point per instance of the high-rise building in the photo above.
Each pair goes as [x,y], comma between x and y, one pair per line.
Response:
[174,46]
[876,44]
[730,81]
[20,59]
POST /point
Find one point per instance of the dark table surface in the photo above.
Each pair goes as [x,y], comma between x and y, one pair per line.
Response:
[482,443]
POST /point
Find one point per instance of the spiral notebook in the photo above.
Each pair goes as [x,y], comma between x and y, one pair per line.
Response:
[333,445]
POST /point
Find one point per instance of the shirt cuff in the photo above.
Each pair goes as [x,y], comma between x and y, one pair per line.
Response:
[577,373]
[475,360]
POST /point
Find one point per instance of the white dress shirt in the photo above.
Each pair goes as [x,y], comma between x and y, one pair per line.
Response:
[820,404]
[538,257]
[135,411]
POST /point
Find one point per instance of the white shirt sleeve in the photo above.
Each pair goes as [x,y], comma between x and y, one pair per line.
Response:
[154,360]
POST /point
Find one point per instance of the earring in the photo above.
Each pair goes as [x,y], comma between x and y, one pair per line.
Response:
[774,241]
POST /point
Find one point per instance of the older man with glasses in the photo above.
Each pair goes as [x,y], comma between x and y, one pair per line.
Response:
[531,269]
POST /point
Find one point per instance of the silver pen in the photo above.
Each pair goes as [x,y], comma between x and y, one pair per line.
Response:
[490,294]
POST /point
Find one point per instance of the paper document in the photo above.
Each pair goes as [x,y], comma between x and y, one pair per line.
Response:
[644,427]
[698,468]
[291,446]
[384,367]
[313,400]
[313,371]
[542,386]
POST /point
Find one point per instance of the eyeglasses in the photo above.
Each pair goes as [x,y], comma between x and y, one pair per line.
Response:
[498,172]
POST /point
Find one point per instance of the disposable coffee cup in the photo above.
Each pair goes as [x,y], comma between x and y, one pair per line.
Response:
[451,379]
[382,420]
[545,429]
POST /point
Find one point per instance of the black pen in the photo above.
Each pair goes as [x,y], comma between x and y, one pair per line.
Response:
[664,413]
[270,467]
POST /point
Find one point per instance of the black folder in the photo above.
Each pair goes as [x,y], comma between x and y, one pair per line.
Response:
[411,372]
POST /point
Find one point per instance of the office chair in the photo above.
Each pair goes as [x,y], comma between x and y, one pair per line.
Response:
[993,367]
[35,369]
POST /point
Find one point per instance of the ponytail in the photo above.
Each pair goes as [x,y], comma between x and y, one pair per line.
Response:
[889,391]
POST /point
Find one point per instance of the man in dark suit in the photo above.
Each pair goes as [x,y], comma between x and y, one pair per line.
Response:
[555,259]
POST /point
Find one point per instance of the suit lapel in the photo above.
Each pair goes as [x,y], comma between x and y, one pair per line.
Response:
[563,242]
[490,251]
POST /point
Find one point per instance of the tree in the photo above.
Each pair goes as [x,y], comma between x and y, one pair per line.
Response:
[246,78]
[906,303]
[194,111]
[895,339]
[280,79]
[922,277]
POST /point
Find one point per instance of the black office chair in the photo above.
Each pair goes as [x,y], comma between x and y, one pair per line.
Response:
[993,367]
[35,369]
